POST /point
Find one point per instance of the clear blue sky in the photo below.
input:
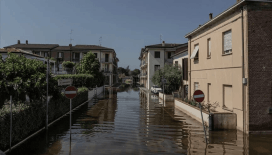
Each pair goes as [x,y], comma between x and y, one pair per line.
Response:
[124,25]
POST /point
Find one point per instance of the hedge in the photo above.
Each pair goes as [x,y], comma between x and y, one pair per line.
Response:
[30,117]
[79,80]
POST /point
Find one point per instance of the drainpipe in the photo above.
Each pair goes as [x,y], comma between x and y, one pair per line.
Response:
[243,74]
[189,61]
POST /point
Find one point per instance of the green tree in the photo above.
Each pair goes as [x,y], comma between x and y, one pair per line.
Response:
[89,65]
[135,72]
[27,76]
[173,76]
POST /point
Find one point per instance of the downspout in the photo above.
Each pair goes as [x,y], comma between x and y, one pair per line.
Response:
[189,61]
[243,74]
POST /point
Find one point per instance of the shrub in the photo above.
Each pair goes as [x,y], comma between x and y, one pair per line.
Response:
[68,64]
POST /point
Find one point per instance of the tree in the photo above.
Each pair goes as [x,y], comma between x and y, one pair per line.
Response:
[89,65]
[20,76]
[136,72]
[122,70]
[172,75]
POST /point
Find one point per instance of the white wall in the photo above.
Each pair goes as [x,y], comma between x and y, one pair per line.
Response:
[152,61]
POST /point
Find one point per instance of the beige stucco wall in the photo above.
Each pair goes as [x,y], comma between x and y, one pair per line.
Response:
[220,69]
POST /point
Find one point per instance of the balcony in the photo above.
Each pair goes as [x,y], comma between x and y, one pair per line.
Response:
[144,64]
[143,74]
[103,60]
[106,71]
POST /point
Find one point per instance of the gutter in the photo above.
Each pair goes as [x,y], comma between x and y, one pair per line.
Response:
[243,72]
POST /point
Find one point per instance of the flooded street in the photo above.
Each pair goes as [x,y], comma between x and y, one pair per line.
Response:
[135,122]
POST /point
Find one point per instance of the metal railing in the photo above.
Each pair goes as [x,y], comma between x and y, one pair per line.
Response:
[76,60]
[104,60]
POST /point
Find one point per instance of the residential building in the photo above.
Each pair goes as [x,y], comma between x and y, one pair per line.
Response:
[154,57]
[106,56]
[230,61]
[180,60]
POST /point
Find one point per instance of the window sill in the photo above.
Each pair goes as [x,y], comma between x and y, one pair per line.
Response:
[225,108]
[227,54]
[209,57]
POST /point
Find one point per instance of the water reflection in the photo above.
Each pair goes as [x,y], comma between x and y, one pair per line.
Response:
[132,121]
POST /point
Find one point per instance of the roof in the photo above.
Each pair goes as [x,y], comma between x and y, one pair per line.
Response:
[167,45]
[186,50]
[92,47]
[33,46]
[221,15]
[13,50]
[62,48]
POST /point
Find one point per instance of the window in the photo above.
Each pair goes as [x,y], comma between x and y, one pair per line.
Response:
[156,67]
[227,97]
[157,54]
[209,48]
[75,55]
[169,55]
[95,55]
[60,55]
[209,93]
[46,54]
[195,53]
[176,63]
[227,42]
[196,86]
[38,53]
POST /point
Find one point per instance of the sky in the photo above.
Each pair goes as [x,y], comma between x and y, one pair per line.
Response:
[124,25]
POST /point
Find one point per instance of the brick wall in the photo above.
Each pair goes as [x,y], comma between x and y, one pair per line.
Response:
[260,56]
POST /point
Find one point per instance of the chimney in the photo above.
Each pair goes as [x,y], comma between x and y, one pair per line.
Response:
[163,43]
[237,1]
[18,42]
[70,45]
[199,25]
[26,42]
[210,16]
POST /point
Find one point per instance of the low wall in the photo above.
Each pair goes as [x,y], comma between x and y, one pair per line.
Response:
[191,111]
[167,98]
[92,92]
[220,120]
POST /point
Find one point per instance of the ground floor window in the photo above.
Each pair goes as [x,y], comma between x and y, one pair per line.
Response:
[227,97]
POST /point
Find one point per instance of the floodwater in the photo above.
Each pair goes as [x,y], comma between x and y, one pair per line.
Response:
[132,121]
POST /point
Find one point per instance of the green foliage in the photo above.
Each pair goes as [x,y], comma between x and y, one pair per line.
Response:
[135,72]
[89,65]
[171,74]
[29,76]
[28,118]
[82,89]
[68,64]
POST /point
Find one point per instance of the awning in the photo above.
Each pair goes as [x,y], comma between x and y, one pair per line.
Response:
[194,52]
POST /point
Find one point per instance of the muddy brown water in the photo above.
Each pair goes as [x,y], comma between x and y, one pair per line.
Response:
[134,122]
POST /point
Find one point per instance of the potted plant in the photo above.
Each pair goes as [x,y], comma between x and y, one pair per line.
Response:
[68,66]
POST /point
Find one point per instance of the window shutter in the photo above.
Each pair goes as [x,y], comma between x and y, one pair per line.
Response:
[227,41]
[59,55]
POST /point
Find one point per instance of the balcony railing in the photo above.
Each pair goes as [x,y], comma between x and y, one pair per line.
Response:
[143,74]
[103,60]
[106,71]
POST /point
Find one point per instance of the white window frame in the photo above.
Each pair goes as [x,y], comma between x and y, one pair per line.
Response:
[209,47]
[227,42]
